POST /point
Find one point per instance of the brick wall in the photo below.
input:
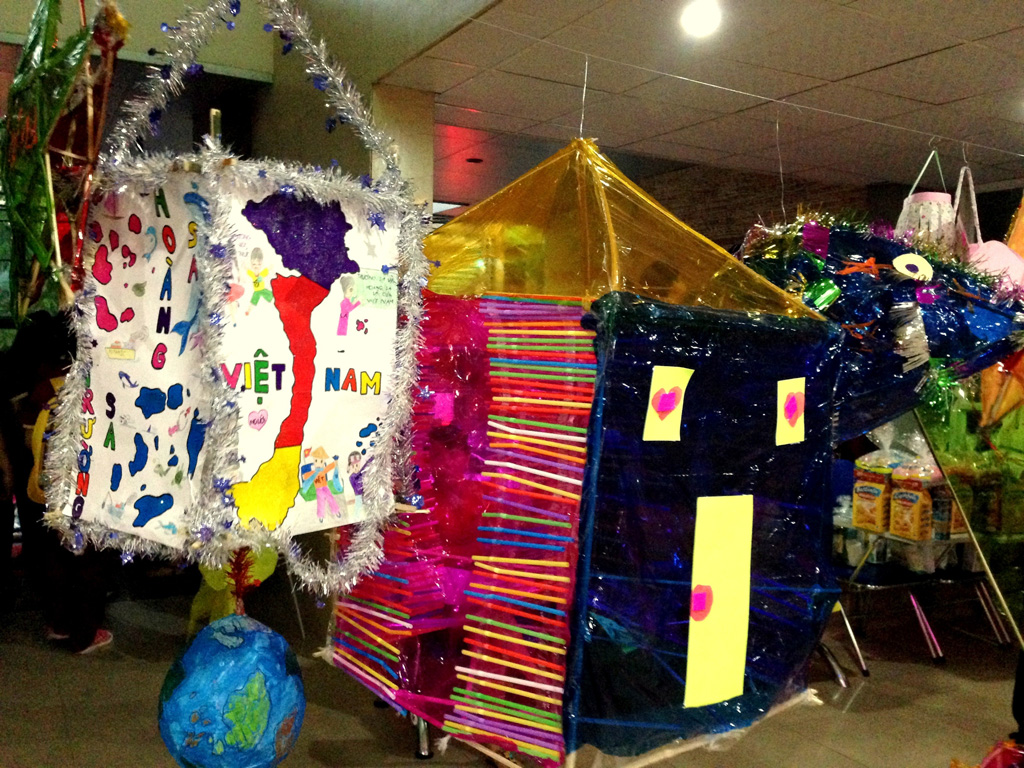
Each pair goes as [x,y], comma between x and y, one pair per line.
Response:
[722,203]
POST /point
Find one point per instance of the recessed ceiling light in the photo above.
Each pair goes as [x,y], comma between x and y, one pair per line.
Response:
[474,159]
[701,17]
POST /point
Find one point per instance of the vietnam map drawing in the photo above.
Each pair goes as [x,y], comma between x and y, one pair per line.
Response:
[309,384]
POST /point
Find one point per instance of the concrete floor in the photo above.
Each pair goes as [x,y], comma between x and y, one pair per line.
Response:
[99,711]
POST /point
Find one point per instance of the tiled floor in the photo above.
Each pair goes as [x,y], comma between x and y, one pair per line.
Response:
[99,711]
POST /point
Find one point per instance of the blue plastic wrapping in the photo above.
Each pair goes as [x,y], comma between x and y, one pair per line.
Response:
[627,680]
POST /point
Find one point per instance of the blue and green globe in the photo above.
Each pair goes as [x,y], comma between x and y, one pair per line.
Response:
[233,699]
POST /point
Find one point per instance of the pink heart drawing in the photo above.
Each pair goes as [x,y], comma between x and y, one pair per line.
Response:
[794,407]
[665,402]
[701,599]
[258,419]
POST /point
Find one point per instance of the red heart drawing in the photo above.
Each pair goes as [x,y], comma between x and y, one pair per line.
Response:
[793,408]
[665,402]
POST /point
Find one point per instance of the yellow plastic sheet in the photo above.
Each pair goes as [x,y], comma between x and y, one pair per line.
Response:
[576,226]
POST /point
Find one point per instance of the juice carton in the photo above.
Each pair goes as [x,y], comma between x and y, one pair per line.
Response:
[872,488]
[910,515]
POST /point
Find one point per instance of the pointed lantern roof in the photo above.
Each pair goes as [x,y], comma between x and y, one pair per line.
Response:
[576,226]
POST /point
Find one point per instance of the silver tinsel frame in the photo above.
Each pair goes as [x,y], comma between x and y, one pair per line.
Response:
[212,530]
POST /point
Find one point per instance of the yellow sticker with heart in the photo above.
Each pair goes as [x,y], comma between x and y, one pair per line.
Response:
[665,403]
[789,420]
[716,654]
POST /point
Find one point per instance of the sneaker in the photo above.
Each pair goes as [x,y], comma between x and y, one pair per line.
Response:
[103,638]
[52,634]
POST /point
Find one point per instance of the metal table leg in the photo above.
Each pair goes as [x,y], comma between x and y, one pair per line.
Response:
[853,640]
[992,614]
[929,637]
[833,662]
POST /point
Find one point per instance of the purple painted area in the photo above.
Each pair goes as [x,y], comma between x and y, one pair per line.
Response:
[309,236]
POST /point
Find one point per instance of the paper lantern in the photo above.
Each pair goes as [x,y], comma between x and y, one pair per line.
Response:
[468,623]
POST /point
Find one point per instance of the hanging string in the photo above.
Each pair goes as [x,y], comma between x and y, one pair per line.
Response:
[782,180]
[583,106]
[766,99]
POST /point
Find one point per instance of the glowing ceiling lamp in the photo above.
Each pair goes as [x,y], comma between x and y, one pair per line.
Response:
[701,17]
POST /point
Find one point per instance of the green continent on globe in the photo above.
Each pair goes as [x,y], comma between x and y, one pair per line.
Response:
[248,711]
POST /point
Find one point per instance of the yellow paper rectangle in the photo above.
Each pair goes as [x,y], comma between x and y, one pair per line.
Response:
[716,656]
[789,419]
[665,403]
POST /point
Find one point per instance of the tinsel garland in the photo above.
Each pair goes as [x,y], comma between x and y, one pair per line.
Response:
[785,240]
[189,35]
[213,533]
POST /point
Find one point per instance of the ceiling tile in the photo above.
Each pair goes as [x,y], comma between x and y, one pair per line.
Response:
[683,92]
[655,24]
[889,135]
[672,151]
[731,76]
[608,43]
[963,20]
[639,118]
[526,97]
[1005,105]
[1010,43]
[949,75]
[856,102]
[979,154]
[481,120]
[903,166]
[479,45]
[790,115]
[761,81]
[522,23]
[1001,134]
[1015,167]
[563,132]
[428,74]
[563,10]
[735,134]
[992,174]
[449,139]
[948,120]
[836,43]
[549,62]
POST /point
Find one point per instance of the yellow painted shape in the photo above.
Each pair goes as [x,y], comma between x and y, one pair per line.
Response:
[269,496]
[785,432]
[716,656]
[665,379]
